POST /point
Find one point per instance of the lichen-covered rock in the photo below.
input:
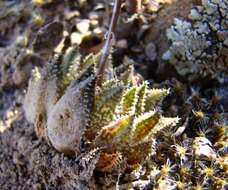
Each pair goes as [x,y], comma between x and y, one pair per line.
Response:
[199,46]
[119,117]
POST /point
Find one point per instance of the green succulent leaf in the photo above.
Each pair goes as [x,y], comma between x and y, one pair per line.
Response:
[54,67]
[70,65]
[154,98]
[165,123]
[141,93]
[115,131]
[107,98]
[143,125]
[125,73]
[128,101]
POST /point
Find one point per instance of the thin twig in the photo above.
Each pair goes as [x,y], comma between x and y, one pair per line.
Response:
[105,50]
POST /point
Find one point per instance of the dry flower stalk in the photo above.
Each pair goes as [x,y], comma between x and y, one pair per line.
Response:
[105,50]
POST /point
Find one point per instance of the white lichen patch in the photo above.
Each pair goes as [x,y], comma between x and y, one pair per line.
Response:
[199,46]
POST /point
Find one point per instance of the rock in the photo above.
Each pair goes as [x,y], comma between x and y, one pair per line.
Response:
[48,37]
[83,26]
[203,150]
[151,51]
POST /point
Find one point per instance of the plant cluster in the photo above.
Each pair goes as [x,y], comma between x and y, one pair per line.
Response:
[68,109]
[197,150]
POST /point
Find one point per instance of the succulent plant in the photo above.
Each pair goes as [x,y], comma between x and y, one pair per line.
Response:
[70,111]
[199,46]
